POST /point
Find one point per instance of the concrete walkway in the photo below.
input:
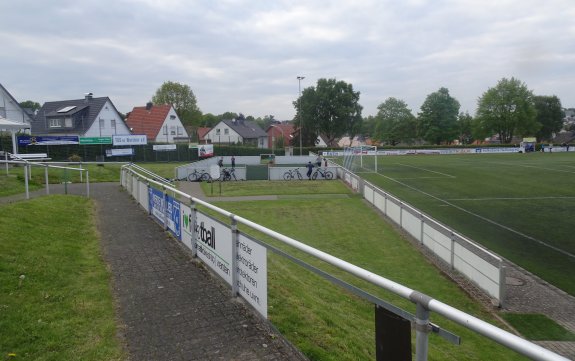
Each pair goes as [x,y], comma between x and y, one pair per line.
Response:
[170,307]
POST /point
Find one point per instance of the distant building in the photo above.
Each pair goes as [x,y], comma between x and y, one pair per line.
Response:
[159,123]
[283,131]
[10,108]
[88,117]
[238,131]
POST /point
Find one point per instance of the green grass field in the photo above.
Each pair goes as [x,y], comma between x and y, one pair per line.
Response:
[522,206]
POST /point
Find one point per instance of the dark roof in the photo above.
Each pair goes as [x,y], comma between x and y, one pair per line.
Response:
[90,106]
[245,128]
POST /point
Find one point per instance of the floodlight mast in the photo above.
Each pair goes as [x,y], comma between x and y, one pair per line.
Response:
[299,79]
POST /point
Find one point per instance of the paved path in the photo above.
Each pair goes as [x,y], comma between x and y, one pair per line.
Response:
[170,307]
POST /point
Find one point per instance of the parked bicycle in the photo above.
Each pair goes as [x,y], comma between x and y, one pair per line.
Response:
[227,174]
[292,174]
[324,173]
[197,176]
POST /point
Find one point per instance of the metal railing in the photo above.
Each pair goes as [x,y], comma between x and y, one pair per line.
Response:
[424,303]
[28,172]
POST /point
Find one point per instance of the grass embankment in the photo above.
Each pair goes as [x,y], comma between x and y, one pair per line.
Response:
[283,189]
[328,323]
[55,299]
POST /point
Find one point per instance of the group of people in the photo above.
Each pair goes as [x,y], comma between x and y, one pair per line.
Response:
[310,166]
[221,162]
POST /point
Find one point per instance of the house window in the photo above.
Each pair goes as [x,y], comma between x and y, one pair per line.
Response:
[68,122]
[172,117]
[55,123]
[218,131]
[180,131]
[226,131]
[165,129]
[173,130]
[113,124]
[102,123]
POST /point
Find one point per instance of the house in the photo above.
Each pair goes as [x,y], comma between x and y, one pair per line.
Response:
[88,117]
[238,131]
[159,123]
[283,131]
[202,131]
[10,109]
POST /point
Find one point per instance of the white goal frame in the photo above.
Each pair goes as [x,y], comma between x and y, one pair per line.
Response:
[350,153]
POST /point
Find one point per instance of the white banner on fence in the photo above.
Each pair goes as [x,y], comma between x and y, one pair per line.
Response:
[252,274]
[215,245]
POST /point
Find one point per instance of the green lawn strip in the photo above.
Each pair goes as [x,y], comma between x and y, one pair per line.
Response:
[14,184]
[538,327]
[279,188]
[328,323]
[56,301]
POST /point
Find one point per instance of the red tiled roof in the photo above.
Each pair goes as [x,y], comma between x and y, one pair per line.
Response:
[202,131]
[148,122]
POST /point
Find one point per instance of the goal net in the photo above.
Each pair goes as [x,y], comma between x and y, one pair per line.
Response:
[360,159]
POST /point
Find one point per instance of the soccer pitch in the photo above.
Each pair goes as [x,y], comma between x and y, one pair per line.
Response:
[521,206]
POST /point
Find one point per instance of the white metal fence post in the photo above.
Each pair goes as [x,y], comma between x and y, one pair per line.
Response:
[235,239]
[26,181]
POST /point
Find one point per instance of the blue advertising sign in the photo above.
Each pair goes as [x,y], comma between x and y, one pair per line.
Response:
[173,216]
[48,140]
[157,204]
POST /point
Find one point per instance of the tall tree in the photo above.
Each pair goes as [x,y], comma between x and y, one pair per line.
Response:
[437,121]
[465,128]
[182,98]
[549,115]
[507,110]
[395,122]
[331,108]
[29,104]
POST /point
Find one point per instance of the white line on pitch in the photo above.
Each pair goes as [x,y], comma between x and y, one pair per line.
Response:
[484,218]
[509,198]
[427,170]
[536,167]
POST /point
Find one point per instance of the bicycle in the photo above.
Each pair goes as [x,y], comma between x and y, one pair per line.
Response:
[196,176]
[228,174]
[292,173]
[324,173]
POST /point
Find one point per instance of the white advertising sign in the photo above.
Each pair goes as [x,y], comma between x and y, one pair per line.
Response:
[186,224]
[215,245]
[252,274]
[164,147]
[129,140]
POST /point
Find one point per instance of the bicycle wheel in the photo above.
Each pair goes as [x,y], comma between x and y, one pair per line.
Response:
[299,176]
[206,177]
[192,177]
[314,176]
[288,176]
[328,174]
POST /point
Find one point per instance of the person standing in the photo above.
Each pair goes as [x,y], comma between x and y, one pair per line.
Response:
[318,161]
[325,162]
[309,167]
[233,162]
[221,162]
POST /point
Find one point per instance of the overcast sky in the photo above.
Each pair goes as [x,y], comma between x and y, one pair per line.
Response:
[245,55]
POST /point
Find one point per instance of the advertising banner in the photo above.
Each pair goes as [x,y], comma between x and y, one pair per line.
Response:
[215,245]
[187,228]
[173,216]
[129,140]
[95,140]
[164,147]
[205,150]
[157,204]
[48,140]
[252,273]
[120,152]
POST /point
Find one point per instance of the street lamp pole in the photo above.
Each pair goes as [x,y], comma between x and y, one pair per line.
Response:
[299,79]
